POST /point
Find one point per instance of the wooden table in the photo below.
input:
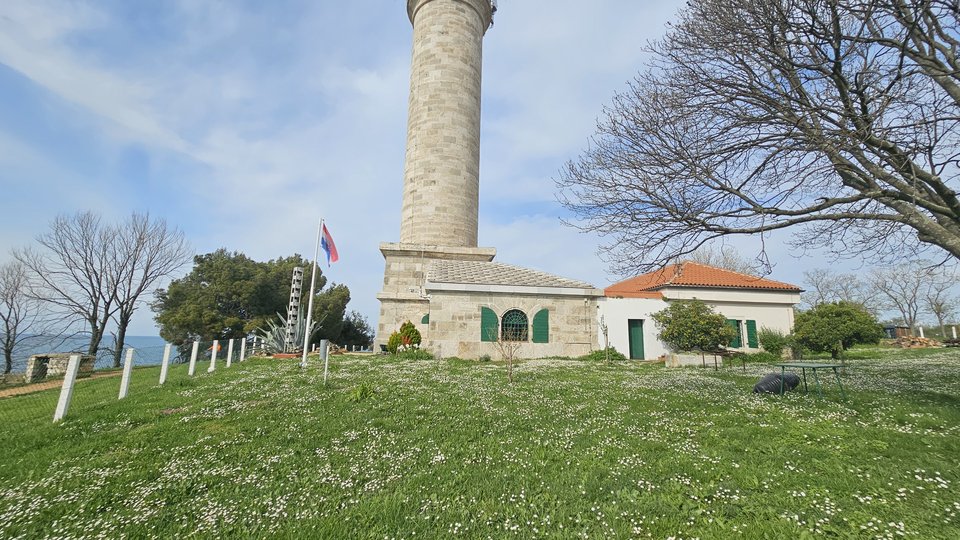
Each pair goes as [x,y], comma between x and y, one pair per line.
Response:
[812,366]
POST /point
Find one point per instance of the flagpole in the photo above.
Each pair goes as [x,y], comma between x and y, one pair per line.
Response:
[313,282]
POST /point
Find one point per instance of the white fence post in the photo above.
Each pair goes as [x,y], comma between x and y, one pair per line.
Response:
[193,358]
[213,356]
[324,353]
[230,353]
[954,329]
[243,349]
[165,364]
[127,368]
[921,331]
[66,391]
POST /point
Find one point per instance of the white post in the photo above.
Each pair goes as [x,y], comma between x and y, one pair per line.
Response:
[193,358]
[325,354]
[313,282]
[921,331]
[213,356]
[66,391]
[229,353]
[127,368]
[954,329]
[243,349]
[165,364]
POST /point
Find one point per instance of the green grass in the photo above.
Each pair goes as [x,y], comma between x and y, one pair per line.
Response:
[436,449]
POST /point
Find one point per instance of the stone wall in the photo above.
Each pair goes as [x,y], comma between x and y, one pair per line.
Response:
[454,328]
[442,166]
[52,365]
[403,297]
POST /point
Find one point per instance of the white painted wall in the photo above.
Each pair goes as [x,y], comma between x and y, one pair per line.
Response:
[770,309]
[617,311]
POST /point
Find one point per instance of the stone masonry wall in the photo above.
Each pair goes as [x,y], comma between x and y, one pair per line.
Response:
[442,167]
[454,328]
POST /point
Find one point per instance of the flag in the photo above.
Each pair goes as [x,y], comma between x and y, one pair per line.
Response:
[326,243]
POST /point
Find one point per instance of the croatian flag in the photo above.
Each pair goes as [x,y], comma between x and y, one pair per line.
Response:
[326,243]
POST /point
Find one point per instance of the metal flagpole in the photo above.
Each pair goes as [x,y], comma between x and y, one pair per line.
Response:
[313,282]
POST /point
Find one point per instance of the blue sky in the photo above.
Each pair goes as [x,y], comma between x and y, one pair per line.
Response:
[242,122]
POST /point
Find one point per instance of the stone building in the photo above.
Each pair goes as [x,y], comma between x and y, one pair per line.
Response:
[436,276]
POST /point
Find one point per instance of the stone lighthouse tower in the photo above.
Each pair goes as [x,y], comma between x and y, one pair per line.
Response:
[442,168]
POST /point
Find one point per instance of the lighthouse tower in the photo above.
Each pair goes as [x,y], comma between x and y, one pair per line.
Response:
[441,180]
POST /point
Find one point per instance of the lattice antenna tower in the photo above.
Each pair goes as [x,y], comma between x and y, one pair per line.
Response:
[293,309]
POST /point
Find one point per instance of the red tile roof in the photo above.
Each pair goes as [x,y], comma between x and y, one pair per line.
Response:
[690,274]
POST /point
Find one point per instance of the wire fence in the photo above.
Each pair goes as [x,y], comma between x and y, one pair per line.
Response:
[66,370]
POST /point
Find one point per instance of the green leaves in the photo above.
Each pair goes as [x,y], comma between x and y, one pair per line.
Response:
[690,325]
[835,327]
[228,295]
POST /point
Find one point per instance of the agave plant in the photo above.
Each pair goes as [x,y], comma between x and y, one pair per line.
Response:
[275,335]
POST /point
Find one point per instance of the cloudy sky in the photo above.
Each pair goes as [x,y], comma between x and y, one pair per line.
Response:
[242,122]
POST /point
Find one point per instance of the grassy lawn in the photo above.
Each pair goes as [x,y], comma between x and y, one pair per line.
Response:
[448,448]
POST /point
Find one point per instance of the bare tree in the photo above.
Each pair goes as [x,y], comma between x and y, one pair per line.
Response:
[87,270]
[146,251]
[902,288]
[728,259]
[508,344]
[74,272]
[940,301]
[19,312]
[836,119]
[826,286]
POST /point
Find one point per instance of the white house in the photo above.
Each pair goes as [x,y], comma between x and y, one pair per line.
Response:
[748,302]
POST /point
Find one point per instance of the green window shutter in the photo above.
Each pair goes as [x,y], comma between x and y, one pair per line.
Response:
[752,335]
[541,326]
[489,324]
[737,341]
[425,319]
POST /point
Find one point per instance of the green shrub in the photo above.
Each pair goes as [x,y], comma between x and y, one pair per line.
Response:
[691,325]
[484,358]
[773,341]
[394,342]
[600,355]
[408,337]
[836,327]
[360,393]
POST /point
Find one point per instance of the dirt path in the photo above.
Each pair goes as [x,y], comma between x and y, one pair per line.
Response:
[36,387]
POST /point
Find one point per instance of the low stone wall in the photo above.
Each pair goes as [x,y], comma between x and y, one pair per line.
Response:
[689,359]
[44,366]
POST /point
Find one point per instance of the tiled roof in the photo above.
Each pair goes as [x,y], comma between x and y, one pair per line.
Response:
[491,273]
[690,274]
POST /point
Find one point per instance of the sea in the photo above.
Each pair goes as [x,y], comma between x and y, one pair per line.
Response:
[148,350]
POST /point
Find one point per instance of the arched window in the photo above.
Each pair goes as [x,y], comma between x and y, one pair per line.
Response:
[513,326]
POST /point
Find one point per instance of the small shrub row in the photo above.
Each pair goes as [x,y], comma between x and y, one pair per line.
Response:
[601,355]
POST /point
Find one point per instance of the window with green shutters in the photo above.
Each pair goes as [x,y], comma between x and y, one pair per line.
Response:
[737,340]
[541,326]
[752,341]
[514,326]
[489,324]
[425,319]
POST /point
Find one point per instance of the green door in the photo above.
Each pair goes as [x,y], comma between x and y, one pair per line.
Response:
[635,327]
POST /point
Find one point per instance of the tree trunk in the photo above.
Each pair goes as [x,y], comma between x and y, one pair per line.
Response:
[8,356]
[96,335]
[122,324]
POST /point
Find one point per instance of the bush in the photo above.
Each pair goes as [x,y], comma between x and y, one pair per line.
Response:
[408,337]
[690,325]
[836,327]
[600,355]
[773,341]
